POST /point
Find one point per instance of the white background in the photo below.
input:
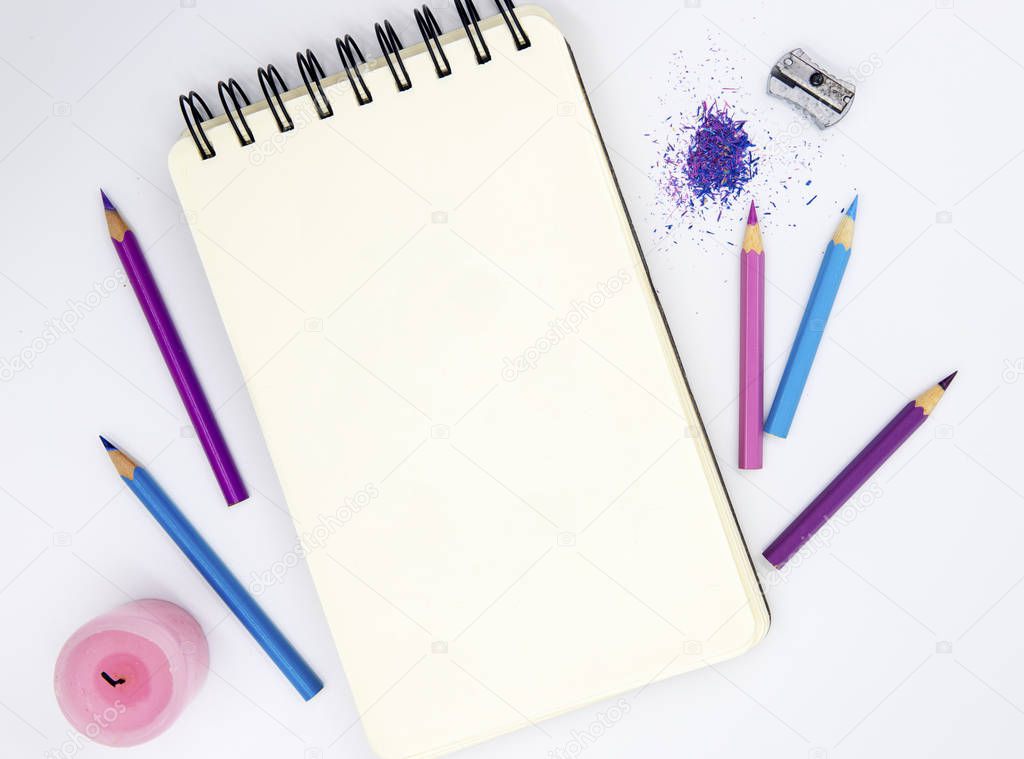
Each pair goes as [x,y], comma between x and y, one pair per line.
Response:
[897,635]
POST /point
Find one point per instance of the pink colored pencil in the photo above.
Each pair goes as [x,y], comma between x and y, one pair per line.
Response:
[751,345]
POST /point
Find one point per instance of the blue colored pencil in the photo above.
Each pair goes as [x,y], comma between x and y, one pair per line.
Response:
[227,586]
[812,326]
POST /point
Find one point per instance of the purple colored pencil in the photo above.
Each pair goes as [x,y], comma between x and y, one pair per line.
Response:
[173,351]
[752,345]
[856,473]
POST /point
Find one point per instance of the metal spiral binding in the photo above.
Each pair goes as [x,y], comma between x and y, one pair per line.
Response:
[270,81]
[195,124]
[234,89]
[430,30]
[514,26]
[195,111]
[390,46]
[310,68]
[470,15]
[348,60]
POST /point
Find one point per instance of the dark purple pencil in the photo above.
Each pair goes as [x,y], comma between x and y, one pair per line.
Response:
[173,350]
[857,472]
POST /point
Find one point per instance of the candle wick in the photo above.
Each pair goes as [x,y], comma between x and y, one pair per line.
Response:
[111,681]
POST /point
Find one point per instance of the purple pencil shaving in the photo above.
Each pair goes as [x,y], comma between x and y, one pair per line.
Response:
[712,161]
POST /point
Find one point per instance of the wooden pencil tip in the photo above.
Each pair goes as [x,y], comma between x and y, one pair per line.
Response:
[945,383]
[115,224]
[121,461]
[752,216]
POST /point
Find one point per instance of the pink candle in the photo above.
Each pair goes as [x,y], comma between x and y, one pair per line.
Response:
[123,678]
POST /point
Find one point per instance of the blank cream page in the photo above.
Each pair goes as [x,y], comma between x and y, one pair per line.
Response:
[469,394]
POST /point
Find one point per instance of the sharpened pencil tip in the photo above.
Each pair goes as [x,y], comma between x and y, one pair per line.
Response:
[122,461]
[115,224]
[752,216]
[852,210]
[945,383]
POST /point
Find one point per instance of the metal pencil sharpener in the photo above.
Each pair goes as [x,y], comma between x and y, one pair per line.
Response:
[812,89]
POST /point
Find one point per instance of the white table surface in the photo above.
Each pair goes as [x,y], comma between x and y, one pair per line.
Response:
[898,635]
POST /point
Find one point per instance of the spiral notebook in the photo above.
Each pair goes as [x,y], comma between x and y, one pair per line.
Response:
[469,392]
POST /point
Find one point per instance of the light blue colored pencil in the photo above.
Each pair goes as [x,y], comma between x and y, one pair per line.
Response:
[812,326]
[214,571]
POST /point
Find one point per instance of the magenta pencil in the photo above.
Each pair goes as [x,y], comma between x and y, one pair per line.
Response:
[173,352]
[752,345]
